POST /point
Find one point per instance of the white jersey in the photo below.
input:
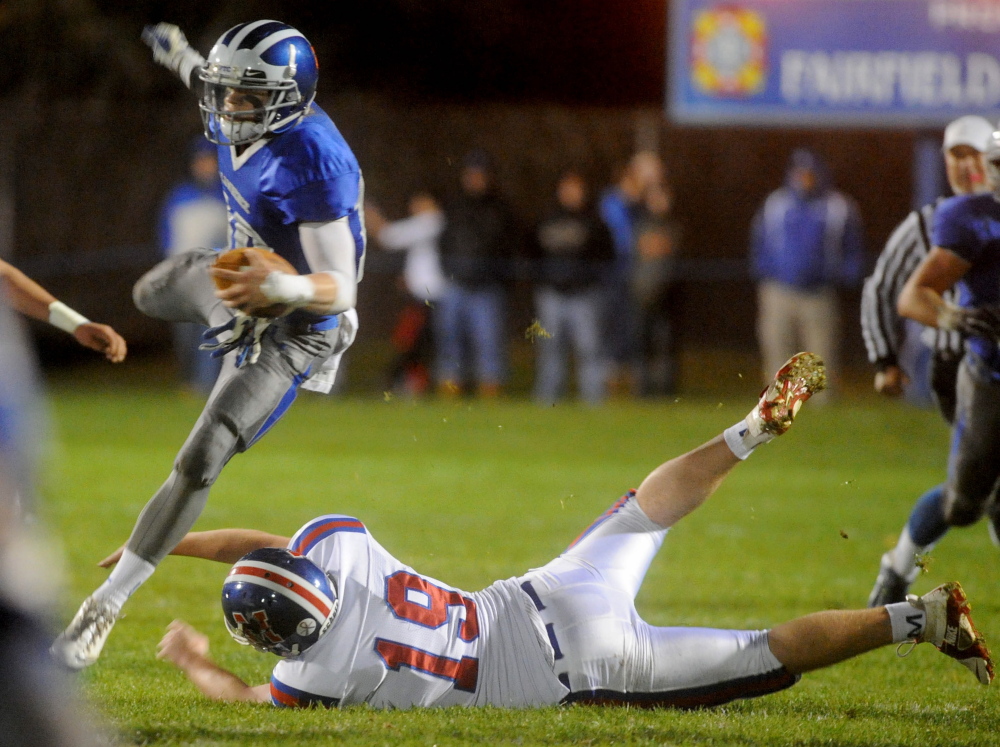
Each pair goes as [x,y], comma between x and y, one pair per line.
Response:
[401,639]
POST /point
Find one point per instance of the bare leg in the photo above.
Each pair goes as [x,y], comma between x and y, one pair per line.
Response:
[824,638]
[678,487]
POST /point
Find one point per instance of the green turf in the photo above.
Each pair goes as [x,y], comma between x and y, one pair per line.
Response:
[469,492]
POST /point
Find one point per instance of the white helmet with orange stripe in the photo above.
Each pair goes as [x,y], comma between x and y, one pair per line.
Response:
[278,601]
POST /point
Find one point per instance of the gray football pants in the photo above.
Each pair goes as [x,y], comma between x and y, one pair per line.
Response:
[244,402]
[974,462]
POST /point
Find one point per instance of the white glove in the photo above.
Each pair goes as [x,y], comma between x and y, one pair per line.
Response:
[171,49]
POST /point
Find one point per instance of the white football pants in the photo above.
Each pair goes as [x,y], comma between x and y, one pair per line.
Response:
[605,653]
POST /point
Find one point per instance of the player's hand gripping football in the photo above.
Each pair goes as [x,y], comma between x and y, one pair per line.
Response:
[103,339]
[243,286]
[182,645]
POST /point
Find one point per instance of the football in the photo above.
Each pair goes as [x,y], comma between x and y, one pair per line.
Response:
[237,259]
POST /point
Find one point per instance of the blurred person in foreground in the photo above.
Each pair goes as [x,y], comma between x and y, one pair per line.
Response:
[572,253]
[806,245]
[418,236]
[194,215]
[954,288]
[354,625]
[39,704]
[478,246]
[293,191]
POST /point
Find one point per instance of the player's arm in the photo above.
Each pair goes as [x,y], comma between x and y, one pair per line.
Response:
[171,49]
[222,545]
[921,298]
[331,288]
[187,649]
[31,299]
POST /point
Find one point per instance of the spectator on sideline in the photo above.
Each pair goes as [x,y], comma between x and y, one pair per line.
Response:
[194,215]
[620,206]
[806,244]
[418,237]
[573,251]
[657,236]
[477,250]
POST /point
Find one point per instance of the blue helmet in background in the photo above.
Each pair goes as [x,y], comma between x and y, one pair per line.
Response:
[278,602]
[273,66]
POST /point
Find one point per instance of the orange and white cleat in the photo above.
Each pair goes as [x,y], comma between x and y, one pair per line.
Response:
[949,627]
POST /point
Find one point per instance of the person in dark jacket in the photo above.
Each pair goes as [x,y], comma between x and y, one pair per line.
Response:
[573,252]
[477,250]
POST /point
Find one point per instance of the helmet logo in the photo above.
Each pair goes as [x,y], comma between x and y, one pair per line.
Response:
[306,627]
[261,617]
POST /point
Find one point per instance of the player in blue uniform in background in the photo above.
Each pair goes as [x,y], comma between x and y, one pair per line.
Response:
[291,184]
[965,254]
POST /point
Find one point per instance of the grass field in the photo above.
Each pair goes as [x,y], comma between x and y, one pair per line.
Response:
[469,493]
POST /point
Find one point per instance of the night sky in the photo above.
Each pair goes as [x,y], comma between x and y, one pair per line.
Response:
[585,52]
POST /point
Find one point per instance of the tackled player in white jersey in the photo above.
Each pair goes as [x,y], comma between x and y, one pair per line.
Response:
[292,187]
[354,625]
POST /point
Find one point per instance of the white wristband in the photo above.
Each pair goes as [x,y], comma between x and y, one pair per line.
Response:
[63,317]
[295,290]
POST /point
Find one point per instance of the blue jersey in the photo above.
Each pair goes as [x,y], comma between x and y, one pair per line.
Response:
[969,226]
[305,175]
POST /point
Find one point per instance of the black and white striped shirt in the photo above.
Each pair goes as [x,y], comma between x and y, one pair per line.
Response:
[881,324]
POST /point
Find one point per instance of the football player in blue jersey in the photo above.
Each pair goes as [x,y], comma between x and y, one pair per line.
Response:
[965,255]
[293,186]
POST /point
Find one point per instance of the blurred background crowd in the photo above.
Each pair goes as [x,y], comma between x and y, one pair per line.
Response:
[537,226]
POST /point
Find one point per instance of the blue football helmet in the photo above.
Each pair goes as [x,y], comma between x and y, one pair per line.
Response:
[260,77]
[278,602]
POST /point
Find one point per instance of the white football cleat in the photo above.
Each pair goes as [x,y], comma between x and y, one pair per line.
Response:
[80,644]
[800,378]
[949,627]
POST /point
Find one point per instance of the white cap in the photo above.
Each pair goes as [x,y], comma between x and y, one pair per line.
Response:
[968,130]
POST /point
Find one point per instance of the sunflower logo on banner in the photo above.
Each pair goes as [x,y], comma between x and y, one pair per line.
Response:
[728,51]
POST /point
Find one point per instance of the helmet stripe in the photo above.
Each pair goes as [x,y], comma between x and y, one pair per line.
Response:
[231,33]
[267,32]
[278,36]
[236,41]
[286,577]
[289,585]
[319,614]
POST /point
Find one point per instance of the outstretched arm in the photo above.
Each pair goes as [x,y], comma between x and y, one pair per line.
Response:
[921,298]
[223,545]
[31,299]
[187,649]
[171,49]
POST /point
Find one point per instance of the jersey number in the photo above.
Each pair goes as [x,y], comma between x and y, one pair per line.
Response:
[416,600]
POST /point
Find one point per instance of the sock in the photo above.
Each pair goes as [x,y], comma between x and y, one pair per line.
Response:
[926,523]
[128,575]
[924,528]
[904,555]
[907,621]
[746,436]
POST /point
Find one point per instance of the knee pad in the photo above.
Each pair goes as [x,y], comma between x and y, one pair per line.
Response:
[205,453]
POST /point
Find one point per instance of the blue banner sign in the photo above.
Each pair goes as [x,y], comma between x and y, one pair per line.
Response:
[866,63]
